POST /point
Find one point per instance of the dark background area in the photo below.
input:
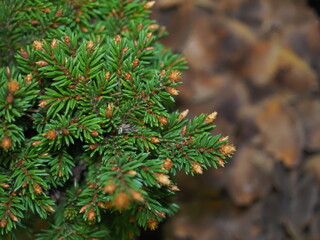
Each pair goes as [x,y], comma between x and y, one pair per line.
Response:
[256,62]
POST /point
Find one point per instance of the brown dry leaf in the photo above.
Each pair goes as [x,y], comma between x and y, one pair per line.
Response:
[248,178]
[298,76]
[262,63]
[281,132]
[312,166]
[308,111]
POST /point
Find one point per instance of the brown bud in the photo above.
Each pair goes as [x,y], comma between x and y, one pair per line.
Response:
[183,114]
[149,48]
[167,164]
[77,19]
[135,63]
[90,45]
[43,103]
[154,140]
[84,208]
[9,98]
[163,179]
[197,168]
[149,36]
[91,215]
[149,5]
[161,214]
[183,131]
[220,162]
[106,205]
[55,25]
[128,76]
[24,53]
[38,45]
[94,133]
[6,143]
[107,76]
[109,188]
[59,13]
[174,188]
[117,38]
[46,10]
[13,86]
[13,217]
[175,75]
[52,134]
[109,110]
[42,63]
[65,131]
[66,39]
[132,173]
[211,117]
[49,208]
[152,224]
[24,184]
[3,222]
[37,188]
[34,22]
[93,146]
[121,201]
[163,120]
[124,50]
[4,185]
[35,143]
[153,27]
[54,43]
[226,138]
[227,149]
[189,141]
[140,27]
[137,196]
[29,78]
[172,91]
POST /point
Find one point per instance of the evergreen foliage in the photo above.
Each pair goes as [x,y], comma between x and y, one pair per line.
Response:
[88,139]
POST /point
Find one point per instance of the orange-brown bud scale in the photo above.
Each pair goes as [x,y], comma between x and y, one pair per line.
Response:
[37,188]
[13,217]
[38,45]
[135,63]
[211,117]
[172,91]
[183,114]
[152,224]
[29,78]
[51,134]
[3,222]
[220,162]
[109,188]
[94,133]
[163,179]
[42,63]
[167,164]
[149,4]
[91,215]
[227,149]
[153,27]
[89,45]
[175,76]
[84,208]
[154,140]
[9,98]
[163,120]
[121,201]
[137,196]
[4,185]
[24,53]
[54,43]
[13,86]
[197,168]
[6,143]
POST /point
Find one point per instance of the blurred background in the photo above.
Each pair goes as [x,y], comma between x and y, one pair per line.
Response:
[256,62]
